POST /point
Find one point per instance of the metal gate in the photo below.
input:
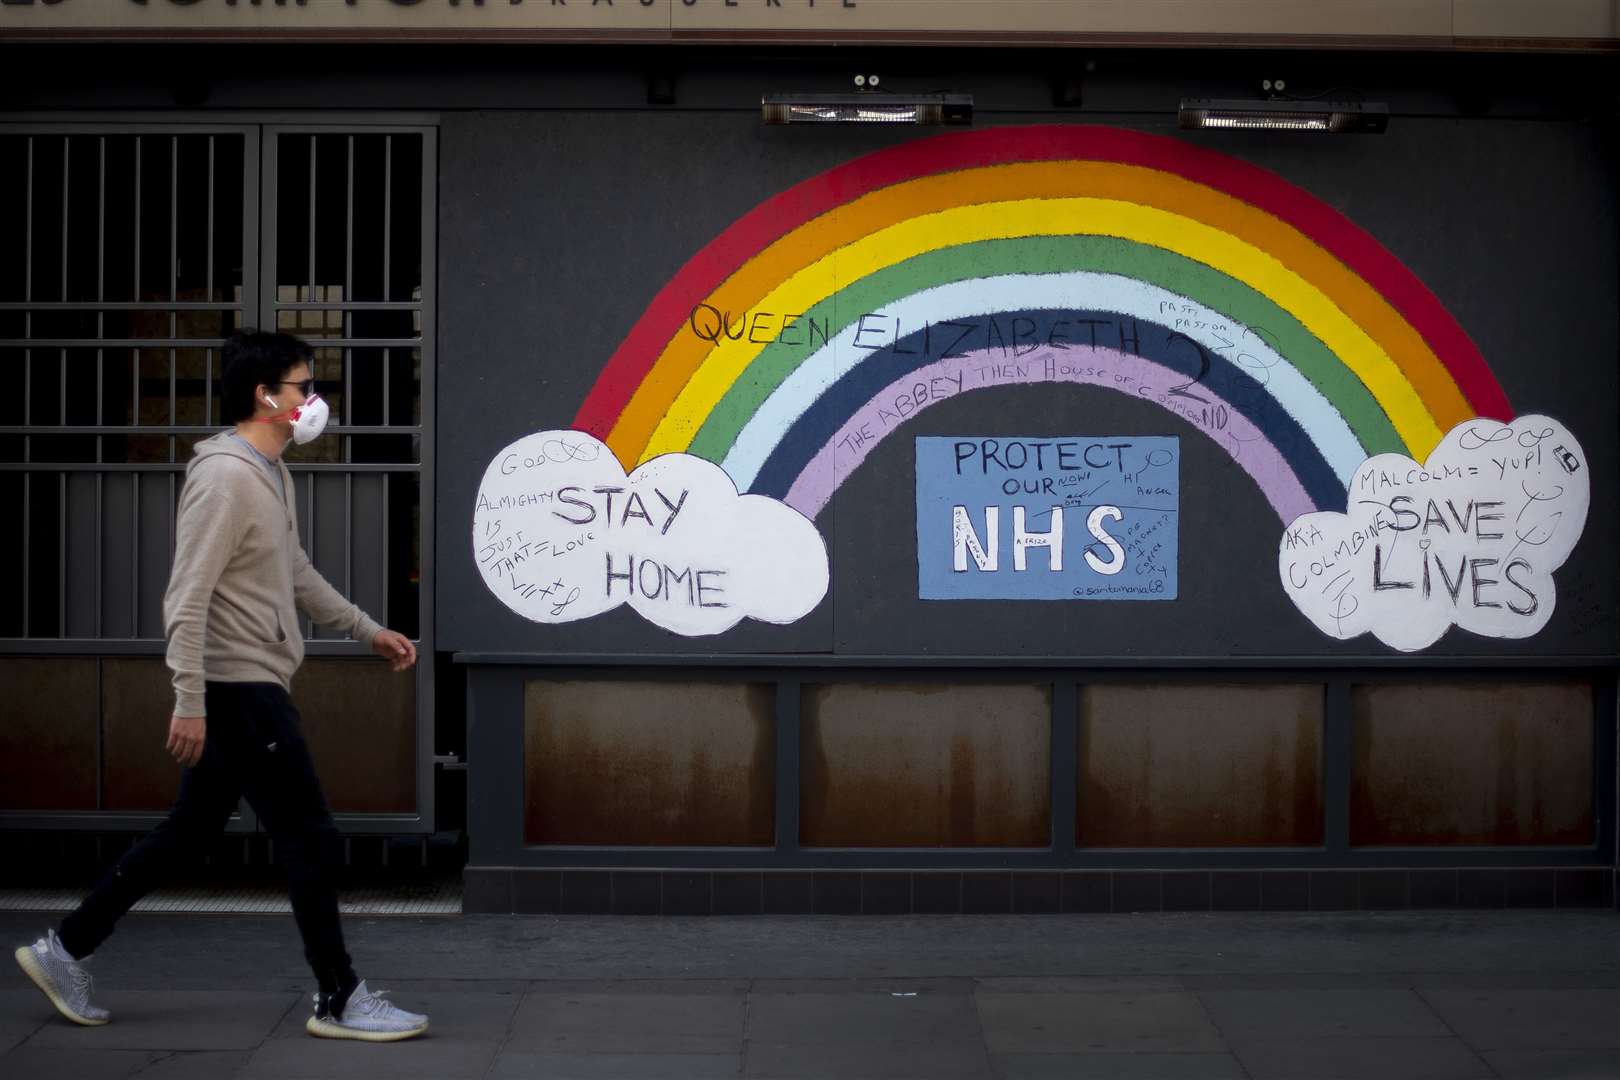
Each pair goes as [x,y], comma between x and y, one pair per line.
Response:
[127,254]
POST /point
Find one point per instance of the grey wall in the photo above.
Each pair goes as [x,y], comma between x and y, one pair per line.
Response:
[567,201]
[559,226]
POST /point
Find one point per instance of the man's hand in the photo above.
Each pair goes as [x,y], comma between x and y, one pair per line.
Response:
[186,737]
[394,647]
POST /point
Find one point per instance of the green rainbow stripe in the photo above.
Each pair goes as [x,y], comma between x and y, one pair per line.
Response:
[1055,254]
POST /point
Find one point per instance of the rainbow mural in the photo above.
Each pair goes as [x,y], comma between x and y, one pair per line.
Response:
[791,344]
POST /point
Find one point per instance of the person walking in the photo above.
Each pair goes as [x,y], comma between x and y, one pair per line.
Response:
[230,616]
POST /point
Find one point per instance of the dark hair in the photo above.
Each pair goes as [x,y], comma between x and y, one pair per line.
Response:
[254,359]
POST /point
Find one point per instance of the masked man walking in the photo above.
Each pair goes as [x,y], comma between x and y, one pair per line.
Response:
[234,643]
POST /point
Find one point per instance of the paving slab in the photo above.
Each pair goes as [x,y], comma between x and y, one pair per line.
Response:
[897,985]
[42,1063]
[1531,1019]
[1078,1023]
[171,1020]
[1119,1067]
[875,1017]
[427,1057]
[526,1066]
[734,987]
[1296,996]
[1249,1015]
[465,1030]
[196,1065]
[1516,980]
[1361,1059]
[866,1032]
[633,1023]
[1083,984]
[23,1012]
[868,1059]
[1307,980]
[472,1015]
[1554,1064]
[403,990]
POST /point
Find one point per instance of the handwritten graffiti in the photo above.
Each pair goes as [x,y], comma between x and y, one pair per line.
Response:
[1471,536]
[561,532]
[1047,518]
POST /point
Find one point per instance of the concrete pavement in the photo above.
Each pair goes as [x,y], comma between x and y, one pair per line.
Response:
[1504,994]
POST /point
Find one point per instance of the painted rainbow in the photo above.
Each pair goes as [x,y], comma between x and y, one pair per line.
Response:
[1234,299]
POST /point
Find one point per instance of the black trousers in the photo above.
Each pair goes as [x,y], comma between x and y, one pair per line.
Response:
[254,748]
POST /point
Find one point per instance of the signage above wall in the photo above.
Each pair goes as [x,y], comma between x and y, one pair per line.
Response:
[1437,24]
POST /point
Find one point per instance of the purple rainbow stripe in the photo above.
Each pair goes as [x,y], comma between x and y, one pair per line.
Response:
[1089,365]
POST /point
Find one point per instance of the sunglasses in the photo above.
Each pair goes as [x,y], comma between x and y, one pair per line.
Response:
[305,386]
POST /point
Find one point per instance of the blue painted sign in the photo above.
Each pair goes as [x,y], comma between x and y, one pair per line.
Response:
[1086,517]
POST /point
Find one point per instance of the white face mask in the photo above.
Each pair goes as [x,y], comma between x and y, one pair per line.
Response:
[308,419]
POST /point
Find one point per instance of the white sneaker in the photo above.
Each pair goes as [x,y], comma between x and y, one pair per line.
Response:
[366,1015]
[62,979]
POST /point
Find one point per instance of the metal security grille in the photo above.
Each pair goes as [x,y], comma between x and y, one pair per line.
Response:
[344,253]
[127,255]
[125,259]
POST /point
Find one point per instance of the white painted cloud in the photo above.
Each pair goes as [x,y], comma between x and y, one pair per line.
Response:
[561,533]
[1471,537]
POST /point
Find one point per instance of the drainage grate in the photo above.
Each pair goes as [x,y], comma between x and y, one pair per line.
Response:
[440,896]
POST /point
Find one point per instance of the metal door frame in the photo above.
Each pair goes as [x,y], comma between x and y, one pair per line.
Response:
[269,308]
[259,131]
[244,821]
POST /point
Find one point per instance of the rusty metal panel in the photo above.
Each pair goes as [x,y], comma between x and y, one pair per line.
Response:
[1482,763]
[359,718]
[1200,766]
[650,763]
[925,765]
[137,701]
[48,735]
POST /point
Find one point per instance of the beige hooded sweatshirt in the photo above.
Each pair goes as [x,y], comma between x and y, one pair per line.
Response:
[239,575]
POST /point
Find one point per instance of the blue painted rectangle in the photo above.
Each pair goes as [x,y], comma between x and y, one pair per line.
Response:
[1118,498]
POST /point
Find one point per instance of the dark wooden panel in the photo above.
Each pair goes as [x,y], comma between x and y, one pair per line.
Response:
[925,765]
[650,763]
[48,736]
[137,701]
[1200,766]
[1452,763]
[359,719]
